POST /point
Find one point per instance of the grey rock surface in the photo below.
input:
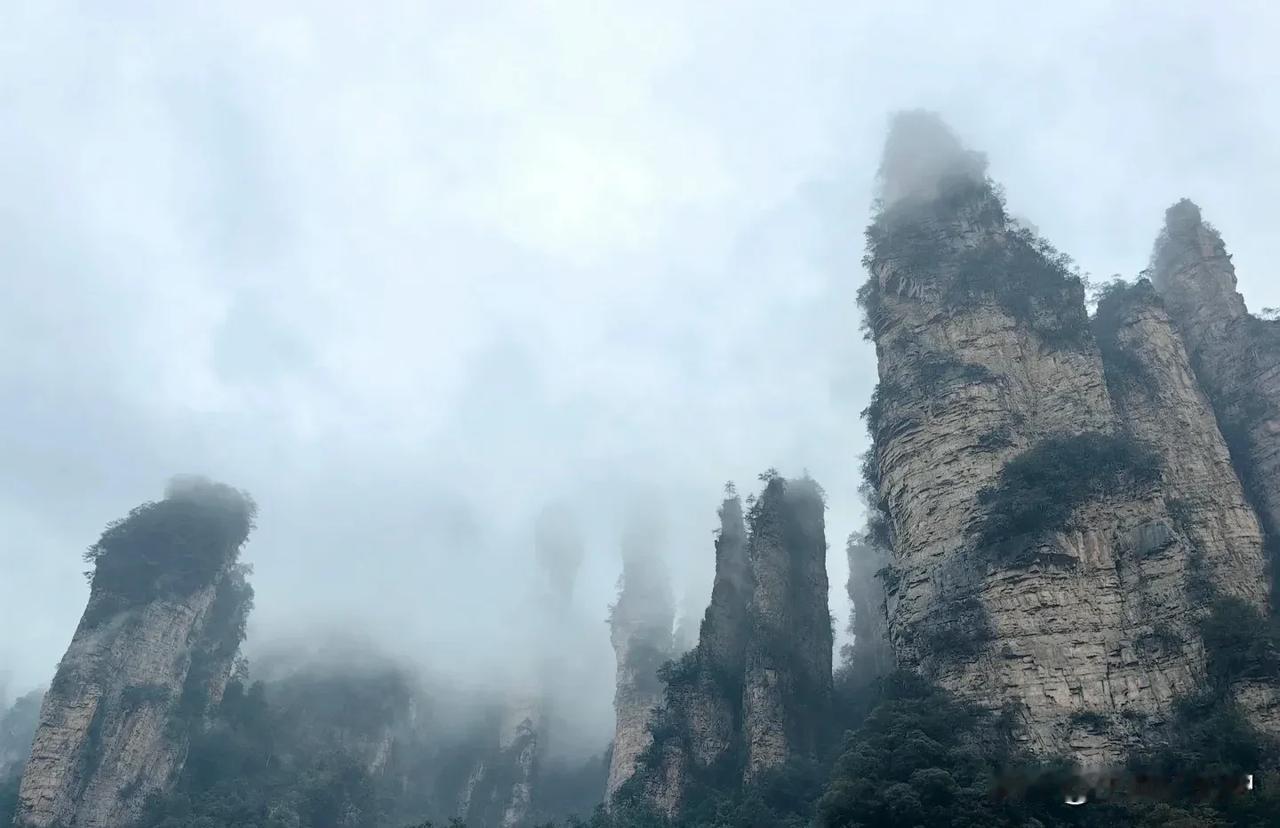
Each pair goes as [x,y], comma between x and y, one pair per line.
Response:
[984,352]
[1236,355]
[150,657]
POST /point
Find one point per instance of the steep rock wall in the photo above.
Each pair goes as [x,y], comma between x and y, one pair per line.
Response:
[1236,355]
[151,655]
[701,711]
[787,674]
[754,692]
[1160,401]
[990,380]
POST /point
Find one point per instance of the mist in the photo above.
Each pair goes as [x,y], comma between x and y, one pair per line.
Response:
[417,278]
[920,153]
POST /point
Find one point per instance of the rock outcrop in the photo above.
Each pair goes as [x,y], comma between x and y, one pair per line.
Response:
[151,656]
[1159,401]
[701,714]
[787,677]
[640,626]
[1039,557]
[752,694]
[1236,355]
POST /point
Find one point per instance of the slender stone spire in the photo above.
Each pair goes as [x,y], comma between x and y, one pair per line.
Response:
[787,678]
[152,655]
[1236,355]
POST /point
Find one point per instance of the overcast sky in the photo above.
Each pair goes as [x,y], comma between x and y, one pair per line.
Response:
[408,272]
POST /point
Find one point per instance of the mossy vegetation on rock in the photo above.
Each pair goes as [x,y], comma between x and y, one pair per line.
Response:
[1038,490]
[168,548]
[755,694]
[1125,369]
[955,243]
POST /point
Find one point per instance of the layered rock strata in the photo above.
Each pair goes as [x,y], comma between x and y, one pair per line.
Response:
[752,694]
[787,677]
[150,657]
[992,392]
[702,699]
[1160,402]
[1236,355]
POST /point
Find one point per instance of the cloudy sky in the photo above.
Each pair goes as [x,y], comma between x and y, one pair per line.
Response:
[409,272]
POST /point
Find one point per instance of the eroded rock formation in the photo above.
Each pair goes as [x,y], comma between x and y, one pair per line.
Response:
[1160,402]
[1236,355]
[752,694]
[787,677]
[150,657]
[1040,557]
[700,717]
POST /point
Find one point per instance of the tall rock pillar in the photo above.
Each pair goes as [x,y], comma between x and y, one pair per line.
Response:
[1159,401]
[151,656]
[787,676]
[1236,355]
[701,712]
[752,694]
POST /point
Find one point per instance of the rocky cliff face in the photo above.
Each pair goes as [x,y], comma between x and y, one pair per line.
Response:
[701,713]
[752,694]
[640,626]
[1160,402]
[152,654]
[1039,555]
[787,677]
[1236,355]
